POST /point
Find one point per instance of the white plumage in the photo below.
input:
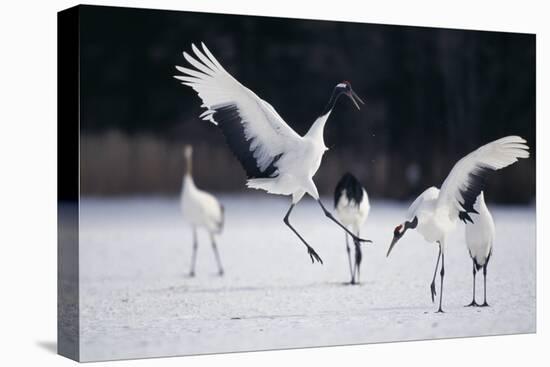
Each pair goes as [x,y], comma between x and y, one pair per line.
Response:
[201,210]
[276,159]
[480,237]
[434,213]
[424,202]
[352,214]
[351,202]
[481,233]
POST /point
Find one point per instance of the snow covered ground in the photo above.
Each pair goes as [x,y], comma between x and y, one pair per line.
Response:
[136,300]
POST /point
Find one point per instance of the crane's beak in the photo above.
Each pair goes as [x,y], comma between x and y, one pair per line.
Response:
[397,233]
[393,242]
[355,98]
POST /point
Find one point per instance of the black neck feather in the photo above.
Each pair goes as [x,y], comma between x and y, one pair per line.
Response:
[412,224]
[332,101]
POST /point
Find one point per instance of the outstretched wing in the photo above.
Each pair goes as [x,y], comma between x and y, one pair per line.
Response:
[468,176]
[254,131]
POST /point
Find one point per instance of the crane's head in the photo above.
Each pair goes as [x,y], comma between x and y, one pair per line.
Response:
[345,88]
[400,230]
[187,151]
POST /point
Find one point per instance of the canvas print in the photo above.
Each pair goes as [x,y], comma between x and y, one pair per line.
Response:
[237,183]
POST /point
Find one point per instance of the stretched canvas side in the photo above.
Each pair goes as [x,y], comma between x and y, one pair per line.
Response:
[68,183]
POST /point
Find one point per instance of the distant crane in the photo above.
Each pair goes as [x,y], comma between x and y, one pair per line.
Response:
[200,210]
[276,159]
[352,209]
[434,213]
[480,235]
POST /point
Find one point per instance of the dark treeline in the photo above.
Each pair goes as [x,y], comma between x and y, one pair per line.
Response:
[432,96]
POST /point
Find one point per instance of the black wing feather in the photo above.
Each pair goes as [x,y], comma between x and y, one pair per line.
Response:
[477,181]
[231,124]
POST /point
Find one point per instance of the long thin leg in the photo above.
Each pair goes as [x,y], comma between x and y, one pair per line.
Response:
[432,286]
[310,250]
[216,253]
[442,273]
[358,258]
[351,272]
[474,271]
[194,254]
[485,304]
[331,217]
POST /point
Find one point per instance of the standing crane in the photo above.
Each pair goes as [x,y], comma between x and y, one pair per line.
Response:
[352,208]
[435,212]
[201,210]
[276,159]
[480,235]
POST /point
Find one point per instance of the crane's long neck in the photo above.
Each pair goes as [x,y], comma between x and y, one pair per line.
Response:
[317,129]
[188,184]
[479,204]
[188,165]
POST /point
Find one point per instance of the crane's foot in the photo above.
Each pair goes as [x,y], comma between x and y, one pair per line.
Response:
[359,241]
[191,274]
[440,310]
[354,282]
[433,291]
[472,304]
[313,255]
[485,304]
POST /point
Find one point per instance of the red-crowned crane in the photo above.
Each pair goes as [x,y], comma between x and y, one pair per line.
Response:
[201,210]
[352,209]
[276,159]
[435,212]
[480,235]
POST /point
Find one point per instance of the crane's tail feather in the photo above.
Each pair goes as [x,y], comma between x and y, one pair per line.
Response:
[271,185]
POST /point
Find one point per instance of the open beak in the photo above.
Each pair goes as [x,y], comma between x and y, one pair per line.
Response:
[393,242]
[355,98]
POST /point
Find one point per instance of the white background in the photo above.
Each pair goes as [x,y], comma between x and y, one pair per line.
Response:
[28,180]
